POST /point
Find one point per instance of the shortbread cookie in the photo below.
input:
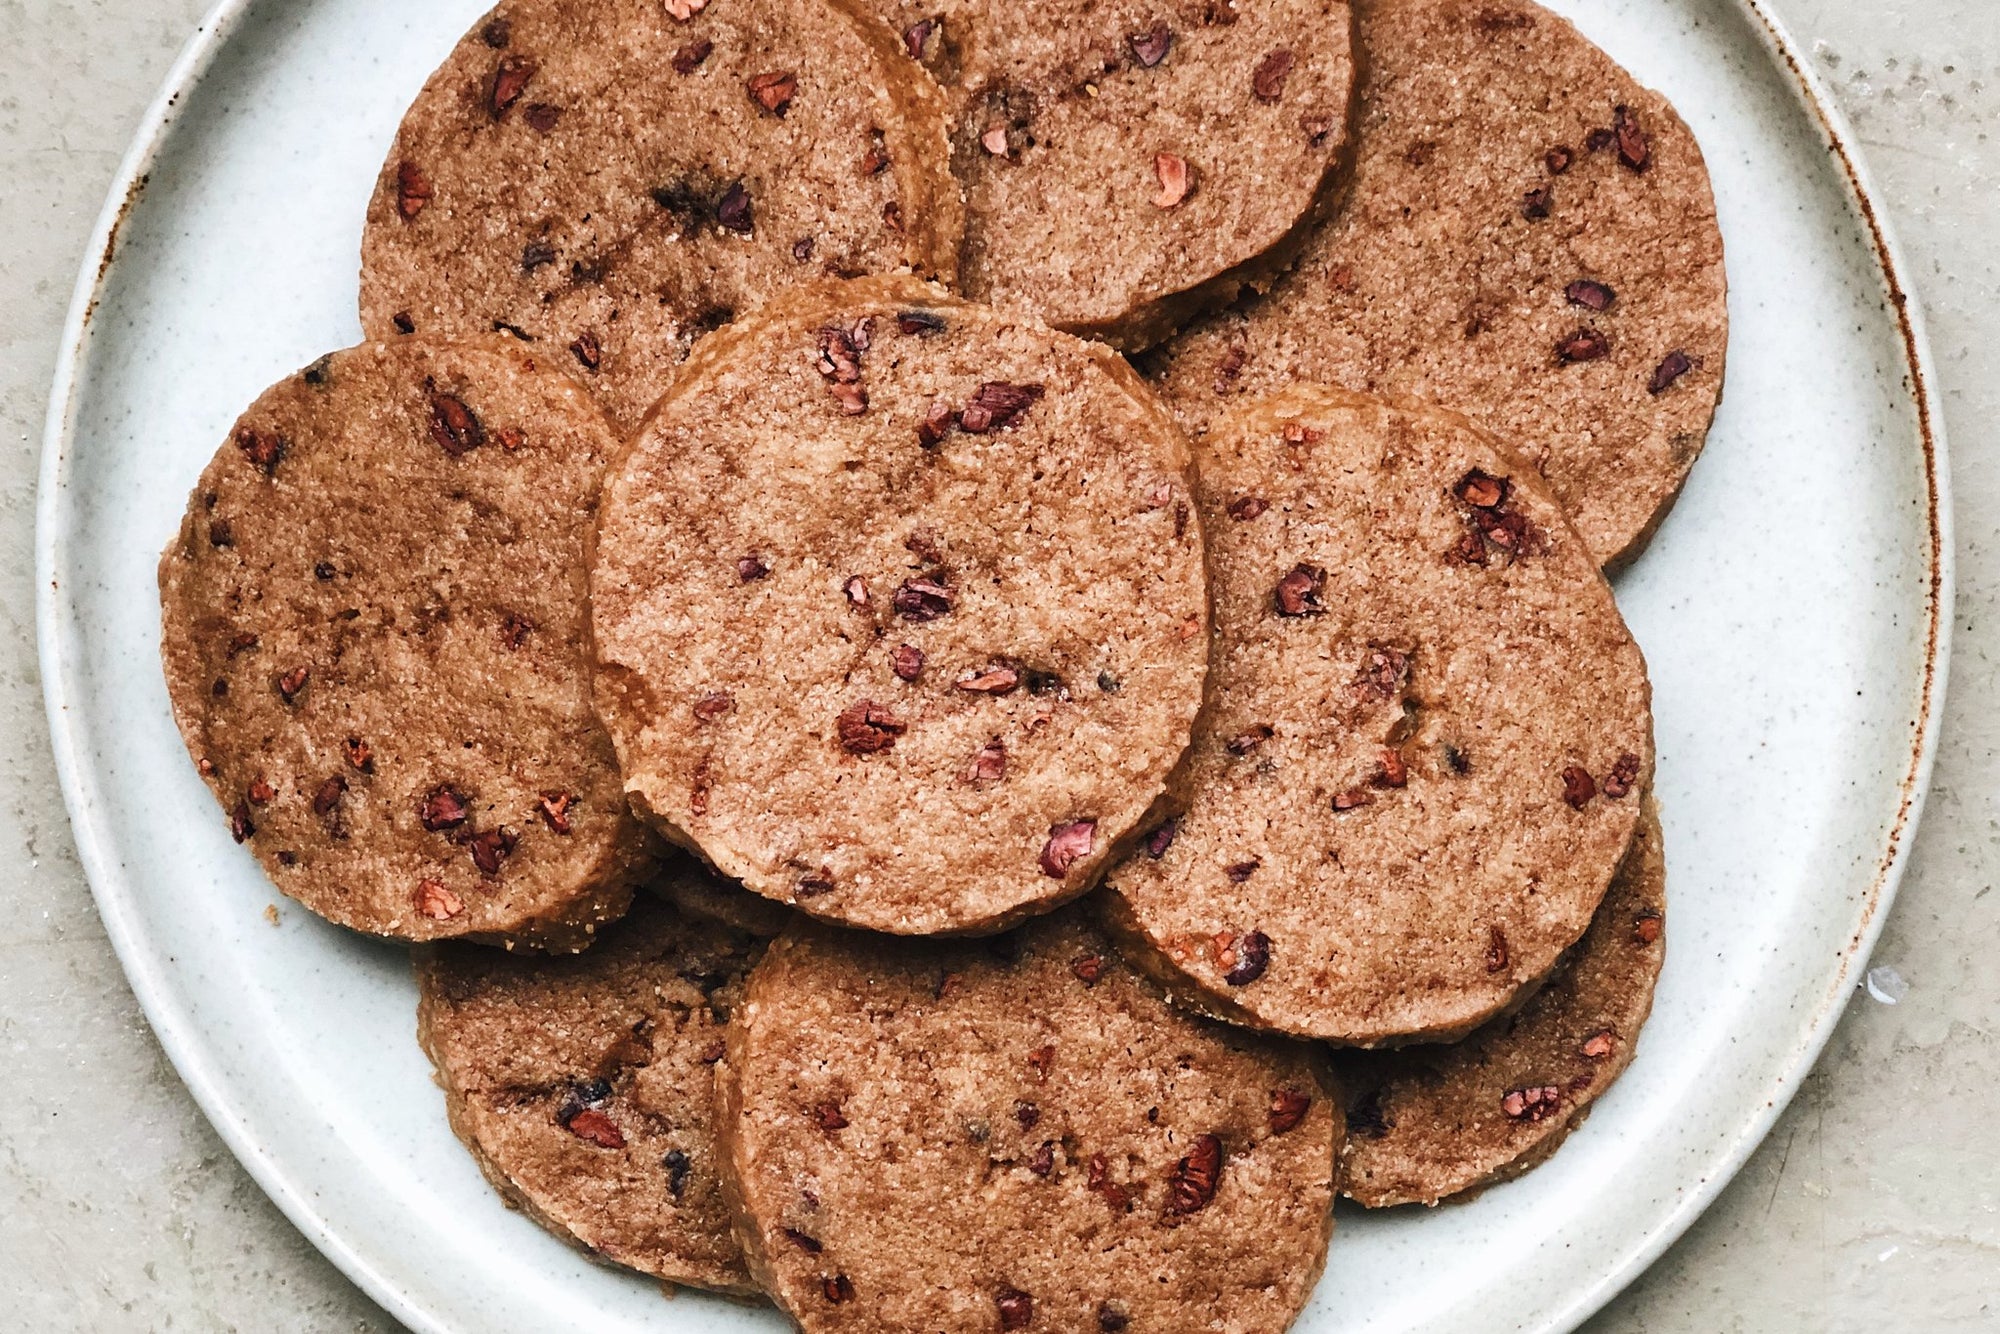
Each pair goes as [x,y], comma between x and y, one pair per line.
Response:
[583,1085]
[610,179]
[900,609]
[1529,237]
[1429,1122]
[1428,739]
[374,634]
[1129,163]
[1015,1134]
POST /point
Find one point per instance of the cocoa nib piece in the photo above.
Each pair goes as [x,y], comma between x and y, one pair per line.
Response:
[1111,1319]
[1196,1177]
[773,90]
[1253,956]
[1162,838]
[920,600]
[1245,508]
[443,808]
[241,826]
[1067,843]
[1353,799]
[1671,368]
[264,449]
[594,1127]
[587,350]
[1557,159]
[1238,872]
[907,660]
[260,793]
[555,810]
[1390,771]
[1017,1308]
[413,190]
[327,799]
[1578,786]
[917,37]
[866,729]
[1250,739]
[838,1289]
[996,404]
[1176,179]
[919,322]
[936,425]
[1599,1045]
[454,427]
[1634,149]
[292,682]
[1590,294]
[855,590]
[510,80]
[1268,81]
[991,681]
[1089,968]
[1288,1110]
[1496,950]
[1646,927]
[1538,203]
[360,754]
[1150,48]
[989,765]
[751,568]
[1535,1103]
[514,630]
[1624,774]
[542,117]
[688,59]
[1299,592]
[490,848]
[434,900]
[1482,490]
[1585,344]
[733,211]
[828,1115]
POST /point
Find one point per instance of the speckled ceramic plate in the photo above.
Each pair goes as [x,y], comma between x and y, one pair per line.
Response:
[1794,610]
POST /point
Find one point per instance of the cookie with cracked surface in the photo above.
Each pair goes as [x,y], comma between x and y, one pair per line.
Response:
[1427,742]
[374,638]
[1529,236]
[611,179]
[900,608]
[1128,1165]
[1426,1123]
[1128,164]
[582,1085]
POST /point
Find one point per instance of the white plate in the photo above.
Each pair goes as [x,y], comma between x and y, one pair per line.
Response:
[1794,610]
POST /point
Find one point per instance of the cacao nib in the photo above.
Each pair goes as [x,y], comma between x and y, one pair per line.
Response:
[865,729]
[443,808]
[920,600]
[454,427]
[1067,843]
[1150,48]
[1299,592]
[1268,82]
[1253,956]
[1578,786]
[996,404]
[1196,1177]
[1288,1110]
[1671,368]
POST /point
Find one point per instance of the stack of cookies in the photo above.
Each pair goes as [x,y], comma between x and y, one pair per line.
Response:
[972,637]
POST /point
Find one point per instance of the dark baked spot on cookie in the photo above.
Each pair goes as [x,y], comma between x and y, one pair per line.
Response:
[497,33]
[1368,1118]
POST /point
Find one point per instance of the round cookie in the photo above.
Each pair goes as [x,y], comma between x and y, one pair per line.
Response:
[611,179]
[1529,236]
[1016,1134]
[583,1085]
[375,638]
[1129,163]
[900,608]
[1427,741]
[1425,1123]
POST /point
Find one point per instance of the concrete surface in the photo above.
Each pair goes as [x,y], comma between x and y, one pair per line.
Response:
[1875,1205]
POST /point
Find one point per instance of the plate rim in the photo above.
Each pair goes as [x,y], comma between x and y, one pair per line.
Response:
[174,1028]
